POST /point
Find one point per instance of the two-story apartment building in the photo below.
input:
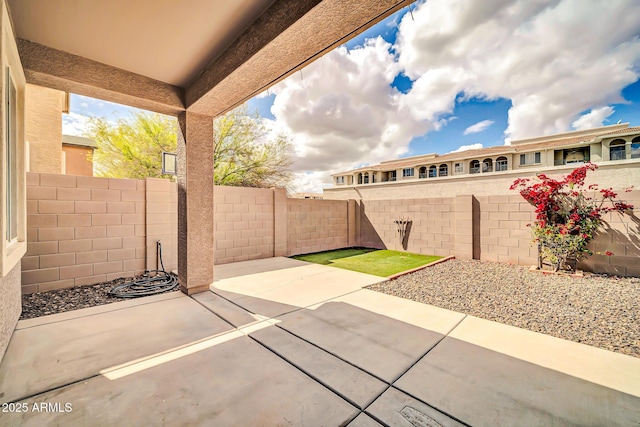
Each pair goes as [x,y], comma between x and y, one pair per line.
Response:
[615,149]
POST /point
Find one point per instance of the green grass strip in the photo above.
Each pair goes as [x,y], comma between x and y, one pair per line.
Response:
[382,263]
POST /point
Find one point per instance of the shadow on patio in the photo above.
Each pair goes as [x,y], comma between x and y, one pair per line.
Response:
[303,344]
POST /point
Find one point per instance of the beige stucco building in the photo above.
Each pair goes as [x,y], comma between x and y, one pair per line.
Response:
[490,171]
[48,150]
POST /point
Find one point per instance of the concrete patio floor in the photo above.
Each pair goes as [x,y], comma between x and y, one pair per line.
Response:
[283,342]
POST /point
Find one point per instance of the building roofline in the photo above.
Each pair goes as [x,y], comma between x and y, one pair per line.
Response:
[539,143]
[575,133]
[78,141]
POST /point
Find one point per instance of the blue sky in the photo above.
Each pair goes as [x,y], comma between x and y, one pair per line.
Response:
[459,74]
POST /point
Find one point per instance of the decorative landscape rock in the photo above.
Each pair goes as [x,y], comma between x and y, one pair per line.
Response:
[62,300]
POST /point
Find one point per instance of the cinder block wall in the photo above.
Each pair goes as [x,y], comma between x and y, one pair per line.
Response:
[316,225]
[439,226]
[504,235]
[620,236]
[161,221]
[85,230]
[243,224]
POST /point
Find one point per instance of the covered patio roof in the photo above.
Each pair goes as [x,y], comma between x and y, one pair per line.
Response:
[198,55]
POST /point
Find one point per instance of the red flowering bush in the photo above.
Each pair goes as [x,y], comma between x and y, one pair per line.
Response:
[567,218]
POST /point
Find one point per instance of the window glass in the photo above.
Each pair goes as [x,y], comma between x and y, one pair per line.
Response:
[12,161]
[501,164]
[459,168]
[407,172]
[617,152]
[530,158]
[474,166]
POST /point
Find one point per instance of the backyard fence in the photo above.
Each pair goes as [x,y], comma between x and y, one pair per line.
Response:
[84,230]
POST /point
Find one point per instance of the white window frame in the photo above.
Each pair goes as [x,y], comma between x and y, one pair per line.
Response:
[618,148]
[14,248]
[408,173]
[458,168]
[530,158]
[340,180]
[498,164]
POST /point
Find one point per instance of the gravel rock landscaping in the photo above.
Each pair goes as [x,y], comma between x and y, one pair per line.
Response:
[597,310]
[61,300]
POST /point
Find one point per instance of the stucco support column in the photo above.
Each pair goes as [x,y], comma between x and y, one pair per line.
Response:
[195,202]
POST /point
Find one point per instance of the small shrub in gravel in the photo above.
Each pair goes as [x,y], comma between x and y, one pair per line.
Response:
[597,310]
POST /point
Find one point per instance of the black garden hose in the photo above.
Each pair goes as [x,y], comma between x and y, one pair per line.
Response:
[152,282]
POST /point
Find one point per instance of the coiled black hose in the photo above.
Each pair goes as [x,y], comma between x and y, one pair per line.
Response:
[161,281]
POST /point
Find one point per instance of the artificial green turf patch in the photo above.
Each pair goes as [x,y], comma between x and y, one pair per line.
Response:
[382,263]
[327,257]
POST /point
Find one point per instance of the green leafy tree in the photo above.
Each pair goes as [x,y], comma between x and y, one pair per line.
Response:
[133,148]
[243,155]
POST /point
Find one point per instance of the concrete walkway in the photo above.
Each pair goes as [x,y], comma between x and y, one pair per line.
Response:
[283,342]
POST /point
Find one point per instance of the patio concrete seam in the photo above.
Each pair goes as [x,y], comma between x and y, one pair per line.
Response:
[311,376]
[257,314]
[213,312]
[428,351]
[29,396]
[306,307]
[335,355]
[372,402]
[454,326]
[392,384]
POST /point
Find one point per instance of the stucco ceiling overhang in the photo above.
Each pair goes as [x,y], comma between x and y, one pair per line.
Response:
[206,56]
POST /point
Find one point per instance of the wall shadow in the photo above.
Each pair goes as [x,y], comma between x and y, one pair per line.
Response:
[369,236]
[475,224]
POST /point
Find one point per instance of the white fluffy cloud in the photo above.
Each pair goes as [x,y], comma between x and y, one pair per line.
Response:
[552,58]
[477,127]
[475,146]
[343,111]
[74,124]
[593,118]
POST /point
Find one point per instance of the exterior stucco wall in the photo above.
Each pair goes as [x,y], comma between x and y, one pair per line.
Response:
[10,306]
[43,128]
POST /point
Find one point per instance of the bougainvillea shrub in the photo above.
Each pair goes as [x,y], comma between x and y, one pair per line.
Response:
[567,214]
